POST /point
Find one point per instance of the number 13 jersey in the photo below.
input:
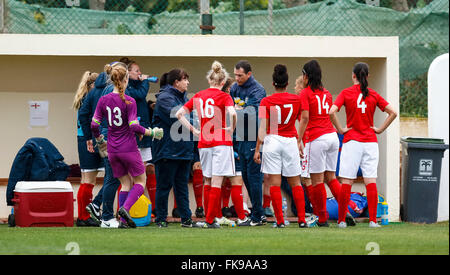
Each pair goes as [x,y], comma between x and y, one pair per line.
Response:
[360,112]
[211,105]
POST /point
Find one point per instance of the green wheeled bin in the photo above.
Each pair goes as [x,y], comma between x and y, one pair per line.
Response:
[421,173]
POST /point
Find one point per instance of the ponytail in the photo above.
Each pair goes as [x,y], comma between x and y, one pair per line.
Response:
[83,88]
[361,71]
[118,72]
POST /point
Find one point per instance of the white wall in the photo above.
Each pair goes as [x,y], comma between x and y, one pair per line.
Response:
[48,67]
[438,116]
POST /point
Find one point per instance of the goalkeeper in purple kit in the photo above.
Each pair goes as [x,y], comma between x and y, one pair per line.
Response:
[120,110]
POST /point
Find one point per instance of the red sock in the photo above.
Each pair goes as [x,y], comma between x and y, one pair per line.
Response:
[174,202]
[226,192]
[344,199]
[335,188]
[312,199]
[80,201]
[151,189]
[238,201]
[320,193]
[275,196]
[219,206]
[197,185]
[372,201]
[206,190]
[84,197]
[299,199]
[213,202]
[266,201]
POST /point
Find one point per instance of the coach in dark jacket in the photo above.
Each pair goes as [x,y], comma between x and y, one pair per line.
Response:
[172,154]
[248,93]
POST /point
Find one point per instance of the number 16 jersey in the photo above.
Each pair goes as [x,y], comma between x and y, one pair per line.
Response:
[211,107]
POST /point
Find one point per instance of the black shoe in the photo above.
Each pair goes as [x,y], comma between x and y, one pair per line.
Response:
[281,225]
[94,211]
[123,213]
[211,225]
[323,224]
[200,212]
[189,223]
[162,224]
[81,223]
[302,225]
[123,225]
[175,213]
[264,220]
[226,211]
[252,223]
[350,220]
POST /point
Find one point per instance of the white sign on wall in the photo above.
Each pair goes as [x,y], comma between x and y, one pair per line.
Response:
[38,113]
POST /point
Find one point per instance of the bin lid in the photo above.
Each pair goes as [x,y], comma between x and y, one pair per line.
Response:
[423,140]
[43,186]
[424,143]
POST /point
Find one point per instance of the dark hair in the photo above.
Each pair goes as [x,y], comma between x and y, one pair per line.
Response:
[176,74]
[127,62]
[314,73]
[361,71]
[227,84]
[163,80]
[280,76]
[244,65]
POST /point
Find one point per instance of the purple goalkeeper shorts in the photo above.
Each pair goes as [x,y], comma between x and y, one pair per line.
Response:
[126,163]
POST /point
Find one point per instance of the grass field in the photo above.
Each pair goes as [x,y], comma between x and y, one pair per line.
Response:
[394,239]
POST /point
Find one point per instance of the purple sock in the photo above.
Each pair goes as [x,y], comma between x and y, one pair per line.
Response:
[122,197]
[134,194]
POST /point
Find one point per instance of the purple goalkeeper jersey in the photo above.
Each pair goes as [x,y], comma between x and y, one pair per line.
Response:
[122,122]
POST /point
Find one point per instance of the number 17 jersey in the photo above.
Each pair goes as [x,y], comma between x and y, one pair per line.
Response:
[281,110]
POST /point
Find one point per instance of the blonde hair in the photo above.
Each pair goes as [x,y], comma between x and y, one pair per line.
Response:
[118,72]
[299,84]
[217,74]
[83,88]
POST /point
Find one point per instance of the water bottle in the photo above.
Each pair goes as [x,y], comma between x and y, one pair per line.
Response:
[152,79]
[384,213]
[284,208]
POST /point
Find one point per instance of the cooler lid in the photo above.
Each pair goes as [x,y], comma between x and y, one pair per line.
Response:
[43,186]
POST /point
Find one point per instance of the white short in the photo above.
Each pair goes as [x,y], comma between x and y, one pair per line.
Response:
[305,162]
[323,153]
[217,161]
[355,154]
[146,154]
[280,156]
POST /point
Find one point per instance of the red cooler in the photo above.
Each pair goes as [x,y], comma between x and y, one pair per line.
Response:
[43,204]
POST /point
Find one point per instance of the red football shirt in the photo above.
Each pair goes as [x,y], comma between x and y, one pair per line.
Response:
[318,103]
[360,112]
[281,110]
[211,107]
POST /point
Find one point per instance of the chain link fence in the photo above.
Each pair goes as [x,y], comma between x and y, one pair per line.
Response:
[423,31]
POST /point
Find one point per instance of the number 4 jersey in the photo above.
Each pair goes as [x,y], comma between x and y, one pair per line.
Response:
[211,105]
[281,110]
[318,103]
[360,112]
[122,122]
